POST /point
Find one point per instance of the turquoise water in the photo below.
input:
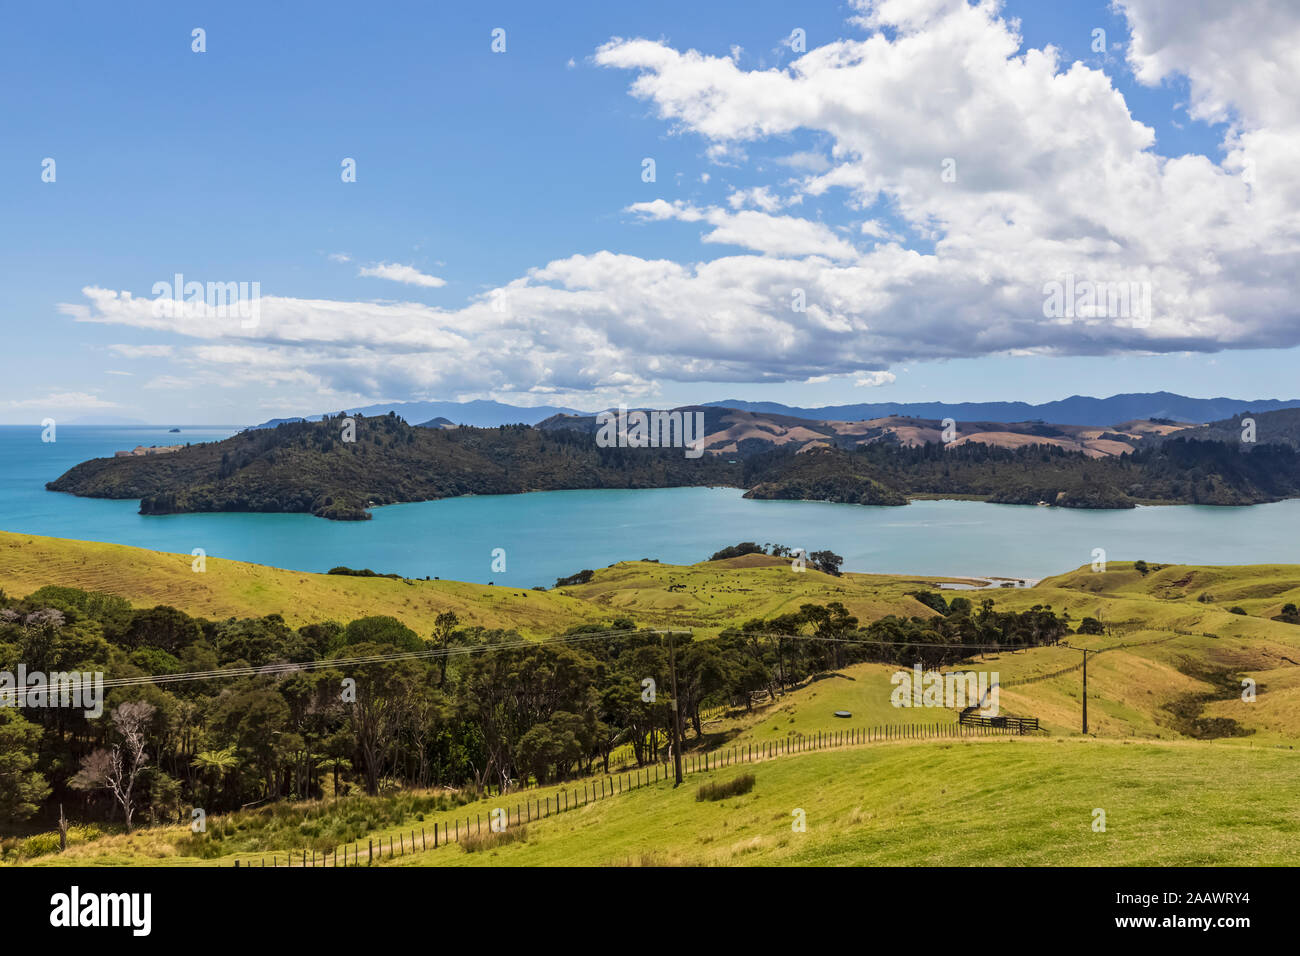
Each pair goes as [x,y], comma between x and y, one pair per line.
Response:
[553,534]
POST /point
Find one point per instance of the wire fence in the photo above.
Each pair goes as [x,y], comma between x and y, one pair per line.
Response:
[518,810]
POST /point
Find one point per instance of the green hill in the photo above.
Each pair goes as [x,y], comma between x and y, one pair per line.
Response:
[339,468]
[1171,736]
[991,802]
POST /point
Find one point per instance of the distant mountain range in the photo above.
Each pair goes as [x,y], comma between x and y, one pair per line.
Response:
[1076,410]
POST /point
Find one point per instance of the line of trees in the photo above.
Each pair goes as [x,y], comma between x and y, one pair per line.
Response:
[827,561]
[487,708]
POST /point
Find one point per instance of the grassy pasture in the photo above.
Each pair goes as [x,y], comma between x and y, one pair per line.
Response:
[994,802]
[985,802]
[240,589]
[1170,800]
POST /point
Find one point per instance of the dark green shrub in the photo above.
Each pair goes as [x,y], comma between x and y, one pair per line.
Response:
[718,790]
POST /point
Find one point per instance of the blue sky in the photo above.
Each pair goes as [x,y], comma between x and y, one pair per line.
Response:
[473,167]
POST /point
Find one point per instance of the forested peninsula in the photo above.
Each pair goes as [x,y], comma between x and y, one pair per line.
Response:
[308,467]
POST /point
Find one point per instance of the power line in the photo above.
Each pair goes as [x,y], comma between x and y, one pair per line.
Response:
[292,667]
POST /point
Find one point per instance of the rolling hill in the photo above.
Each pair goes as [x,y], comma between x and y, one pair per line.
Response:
[1170,736]
[729,431]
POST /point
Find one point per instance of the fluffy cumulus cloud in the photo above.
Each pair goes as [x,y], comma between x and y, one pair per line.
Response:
[971,173]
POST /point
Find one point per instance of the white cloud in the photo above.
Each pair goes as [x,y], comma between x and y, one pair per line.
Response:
[1053,177]
[757,196]
[339,257]
[875,379]
[775,235]
[64,400]
[1240,57]
[126,351]
[399,273]
[805,161]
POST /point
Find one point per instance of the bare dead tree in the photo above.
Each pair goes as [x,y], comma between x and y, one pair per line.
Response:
[116,770]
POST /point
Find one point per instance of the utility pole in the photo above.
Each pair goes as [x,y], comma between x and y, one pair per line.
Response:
[677,713]
[1085,682]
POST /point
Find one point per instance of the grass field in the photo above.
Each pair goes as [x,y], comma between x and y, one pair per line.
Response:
[987,803]
[993,802]
[1173,661]
[715,594]
[238,589]
[712,595]
[1180,614]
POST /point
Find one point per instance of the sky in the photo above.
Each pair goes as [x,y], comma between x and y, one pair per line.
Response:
[593,203]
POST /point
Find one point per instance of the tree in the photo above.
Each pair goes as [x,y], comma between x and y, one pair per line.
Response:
[21,788]
[737,551]
[827,561]
[443,627]
[384,692]
[216,763]
[258,641]
[382,629]
[116,770]
[162,627]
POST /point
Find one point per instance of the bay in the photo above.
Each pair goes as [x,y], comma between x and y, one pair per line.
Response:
[547,535]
